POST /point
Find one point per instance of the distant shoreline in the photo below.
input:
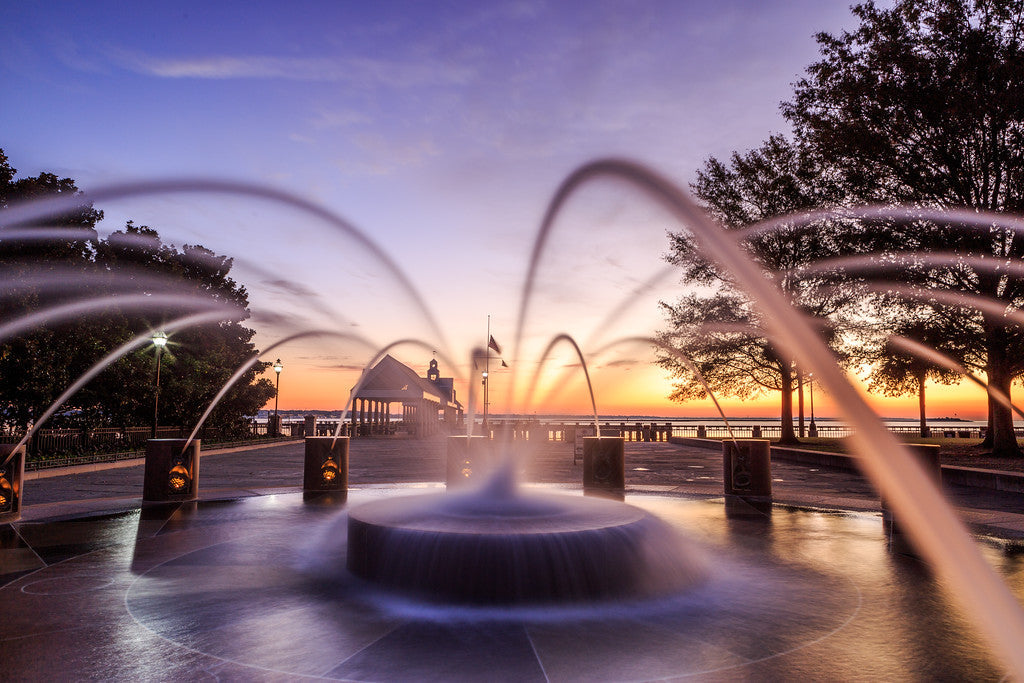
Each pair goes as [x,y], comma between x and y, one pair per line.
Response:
[291,415]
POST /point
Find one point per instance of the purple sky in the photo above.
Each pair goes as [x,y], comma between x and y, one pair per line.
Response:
[440,128]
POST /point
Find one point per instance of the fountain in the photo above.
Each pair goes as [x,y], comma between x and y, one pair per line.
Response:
[500,547]
[588,587]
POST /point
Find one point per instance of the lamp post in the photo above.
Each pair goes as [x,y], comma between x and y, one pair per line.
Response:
[813,431]
[484,381]
[277,392]
[159,341]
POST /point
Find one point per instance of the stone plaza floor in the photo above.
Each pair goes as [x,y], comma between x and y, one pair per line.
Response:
[651,467]
[94,586]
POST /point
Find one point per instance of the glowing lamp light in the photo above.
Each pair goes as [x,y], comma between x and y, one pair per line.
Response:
[178,479]
[329,471]
[160,339]
[6,495]
[277,366]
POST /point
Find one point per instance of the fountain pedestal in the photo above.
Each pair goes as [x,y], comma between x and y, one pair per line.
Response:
[172,470]
[11,477]
[747,472]
[326,464]
[468,457]
[604,463]
[928,457]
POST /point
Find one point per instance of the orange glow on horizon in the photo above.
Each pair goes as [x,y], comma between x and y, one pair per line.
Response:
[636,390]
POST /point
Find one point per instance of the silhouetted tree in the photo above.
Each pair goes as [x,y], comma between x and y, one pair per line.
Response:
[897,371]
[777,178]
[37,366]
[921,104]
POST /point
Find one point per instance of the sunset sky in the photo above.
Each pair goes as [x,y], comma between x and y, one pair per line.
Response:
[441,130]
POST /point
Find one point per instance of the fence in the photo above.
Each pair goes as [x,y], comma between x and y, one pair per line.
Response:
[535,430]
[660,431]
[827,431]
[62,447]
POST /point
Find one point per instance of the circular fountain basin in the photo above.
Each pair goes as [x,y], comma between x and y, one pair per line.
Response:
[520,549]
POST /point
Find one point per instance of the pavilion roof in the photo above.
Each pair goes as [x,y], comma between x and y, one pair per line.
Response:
[393,380]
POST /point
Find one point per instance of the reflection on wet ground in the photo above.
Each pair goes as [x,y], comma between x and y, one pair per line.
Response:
[254,588]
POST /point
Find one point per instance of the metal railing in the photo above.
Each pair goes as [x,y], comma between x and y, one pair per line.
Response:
[543,430]
[63,447]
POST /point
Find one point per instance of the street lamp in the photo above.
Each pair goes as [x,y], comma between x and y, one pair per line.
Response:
[484,382]
[277,368]
[277,391]
[813,431]
[159,341]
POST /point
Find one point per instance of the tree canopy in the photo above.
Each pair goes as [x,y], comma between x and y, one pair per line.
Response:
[917,105]
[920,105]
[898,370]
[37,365]
[777,178]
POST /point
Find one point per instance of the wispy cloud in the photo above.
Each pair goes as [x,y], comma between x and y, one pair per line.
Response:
[357,70]
[381,155]
[342,366]
[623,363]
[289,287]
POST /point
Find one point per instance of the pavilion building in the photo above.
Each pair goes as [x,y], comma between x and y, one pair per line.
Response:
[428,403]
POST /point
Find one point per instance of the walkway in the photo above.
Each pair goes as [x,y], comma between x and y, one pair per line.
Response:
[653,467]
[245,586]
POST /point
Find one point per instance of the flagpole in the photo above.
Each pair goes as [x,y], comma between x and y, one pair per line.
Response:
[487,372]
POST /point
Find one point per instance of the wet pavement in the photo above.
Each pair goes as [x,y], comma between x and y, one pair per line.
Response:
[245,584]
[651,467]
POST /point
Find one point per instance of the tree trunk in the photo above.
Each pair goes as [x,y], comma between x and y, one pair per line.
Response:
[920,402]
[987,441]
[788,436]
[1004,438]
[800,401]
[1001,431]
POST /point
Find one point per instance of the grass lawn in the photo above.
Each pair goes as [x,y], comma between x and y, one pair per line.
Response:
[953,451]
